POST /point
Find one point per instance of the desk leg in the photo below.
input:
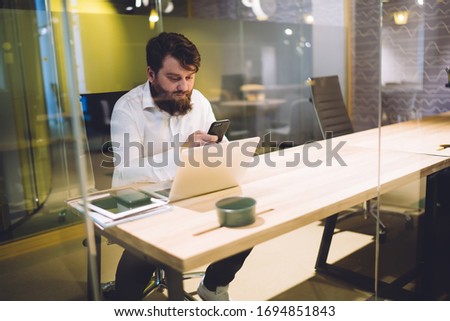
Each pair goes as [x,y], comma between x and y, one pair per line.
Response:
[433,243]
[330,269]
[393,290]
[325,243]
[174,281]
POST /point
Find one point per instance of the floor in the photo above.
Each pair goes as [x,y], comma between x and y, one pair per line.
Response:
[280,269]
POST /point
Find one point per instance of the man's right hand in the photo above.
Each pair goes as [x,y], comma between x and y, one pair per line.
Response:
[200,138]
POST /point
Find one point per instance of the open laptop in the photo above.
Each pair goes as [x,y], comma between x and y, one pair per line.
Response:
[207,169]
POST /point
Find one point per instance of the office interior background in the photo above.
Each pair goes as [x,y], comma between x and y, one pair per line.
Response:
[64,63]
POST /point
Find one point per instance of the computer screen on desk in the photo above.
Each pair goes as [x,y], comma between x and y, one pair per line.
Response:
[207,169]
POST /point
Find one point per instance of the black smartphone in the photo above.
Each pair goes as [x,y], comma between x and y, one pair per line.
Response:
[219,128]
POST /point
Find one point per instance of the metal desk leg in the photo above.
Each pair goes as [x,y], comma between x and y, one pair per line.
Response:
[174,281]
[325,243]
[333,270]
[393,290]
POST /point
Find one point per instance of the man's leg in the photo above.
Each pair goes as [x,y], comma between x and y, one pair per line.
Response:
[132,276]
[219,274]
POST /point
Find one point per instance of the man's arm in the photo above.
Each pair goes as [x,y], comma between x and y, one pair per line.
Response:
[131,163]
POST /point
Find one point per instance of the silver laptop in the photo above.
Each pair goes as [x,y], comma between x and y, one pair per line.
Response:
[207,169]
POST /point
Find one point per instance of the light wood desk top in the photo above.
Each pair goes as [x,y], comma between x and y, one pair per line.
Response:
[287,198]
[417,136]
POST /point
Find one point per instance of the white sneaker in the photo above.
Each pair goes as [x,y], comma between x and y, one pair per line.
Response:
[221,293]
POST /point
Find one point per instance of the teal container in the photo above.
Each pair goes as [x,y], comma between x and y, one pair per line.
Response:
[236,211]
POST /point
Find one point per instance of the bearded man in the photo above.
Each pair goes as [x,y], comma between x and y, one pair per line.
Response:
[147,125]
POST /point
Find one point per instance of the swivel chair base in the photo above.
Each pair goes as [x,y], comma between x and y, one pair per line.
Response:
[157,284]
[369,210]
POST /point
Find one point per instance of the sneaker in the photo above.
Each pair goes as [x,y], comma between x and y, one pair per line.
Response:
[220,294]
[109,291]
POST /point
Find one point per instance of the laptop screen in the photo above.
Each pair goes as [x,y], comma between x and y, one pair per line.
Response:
[209,168]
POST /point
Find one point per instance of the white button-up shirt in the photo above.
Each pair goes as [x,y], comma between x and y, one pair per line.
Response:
[145,140]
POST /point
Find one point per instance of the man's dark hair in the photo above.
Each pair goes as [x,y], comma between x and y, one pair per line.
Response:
[175,45]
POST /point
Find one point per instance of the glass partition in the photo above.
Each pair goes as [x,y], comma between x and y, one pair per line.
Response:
[37,169]
[59,83]
[258,59]
[414,103]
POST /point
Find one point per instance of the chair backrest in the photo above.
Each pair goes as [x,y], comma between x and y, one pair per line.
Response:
[97,110]
[329,105]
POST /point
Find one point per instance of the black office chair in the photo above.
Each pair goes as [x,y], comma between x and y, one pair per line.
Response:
[329,105]
[97,110]
[334,121]
[296,125]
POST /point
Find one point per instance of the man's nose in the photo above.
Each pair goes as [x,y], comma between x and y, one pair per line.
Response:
[182,85]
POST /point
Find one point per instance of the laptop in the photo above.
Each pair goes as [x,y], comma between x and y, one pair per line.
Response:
[207,169]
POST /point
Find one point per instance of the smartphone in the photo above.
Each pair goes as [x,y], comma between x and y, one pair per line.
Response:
[219,128]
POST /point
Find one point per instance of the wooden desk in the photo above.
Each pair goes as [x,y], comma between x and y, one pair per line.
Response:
[417,136]
[287,198]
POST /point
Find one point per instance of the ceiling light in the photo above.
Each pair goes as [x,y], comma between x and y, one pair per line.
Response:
[258,11]
[169,8]
[309,18]
[401,17]
[256,8]
[153,18]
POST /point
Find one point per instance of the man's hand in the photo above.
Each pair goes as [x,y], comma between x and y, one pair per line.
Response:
[200,138]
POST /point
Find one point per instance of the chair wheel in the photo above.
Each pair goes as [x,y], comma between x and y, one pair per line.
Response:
[383,236]
[62,217]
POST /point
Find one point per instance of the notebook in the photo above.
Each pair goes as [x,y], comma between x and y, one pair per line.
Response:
[207,169]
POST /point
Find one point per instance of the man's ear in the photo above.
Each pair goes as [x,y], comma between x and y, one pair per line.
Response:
[150,74]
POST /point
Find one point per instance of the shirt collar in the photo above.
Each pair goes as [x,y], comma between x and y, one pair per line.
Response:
[147,99]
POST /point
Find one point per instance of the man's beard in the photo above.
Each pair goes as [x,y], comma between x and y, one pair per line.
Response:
[166,102]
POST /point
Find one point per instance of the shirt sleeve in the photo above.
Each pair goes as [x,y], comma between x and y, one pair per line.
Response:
[130,163]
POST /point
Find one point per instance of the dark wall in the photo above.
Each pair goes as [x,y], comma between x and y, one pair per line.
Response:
[421,51]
